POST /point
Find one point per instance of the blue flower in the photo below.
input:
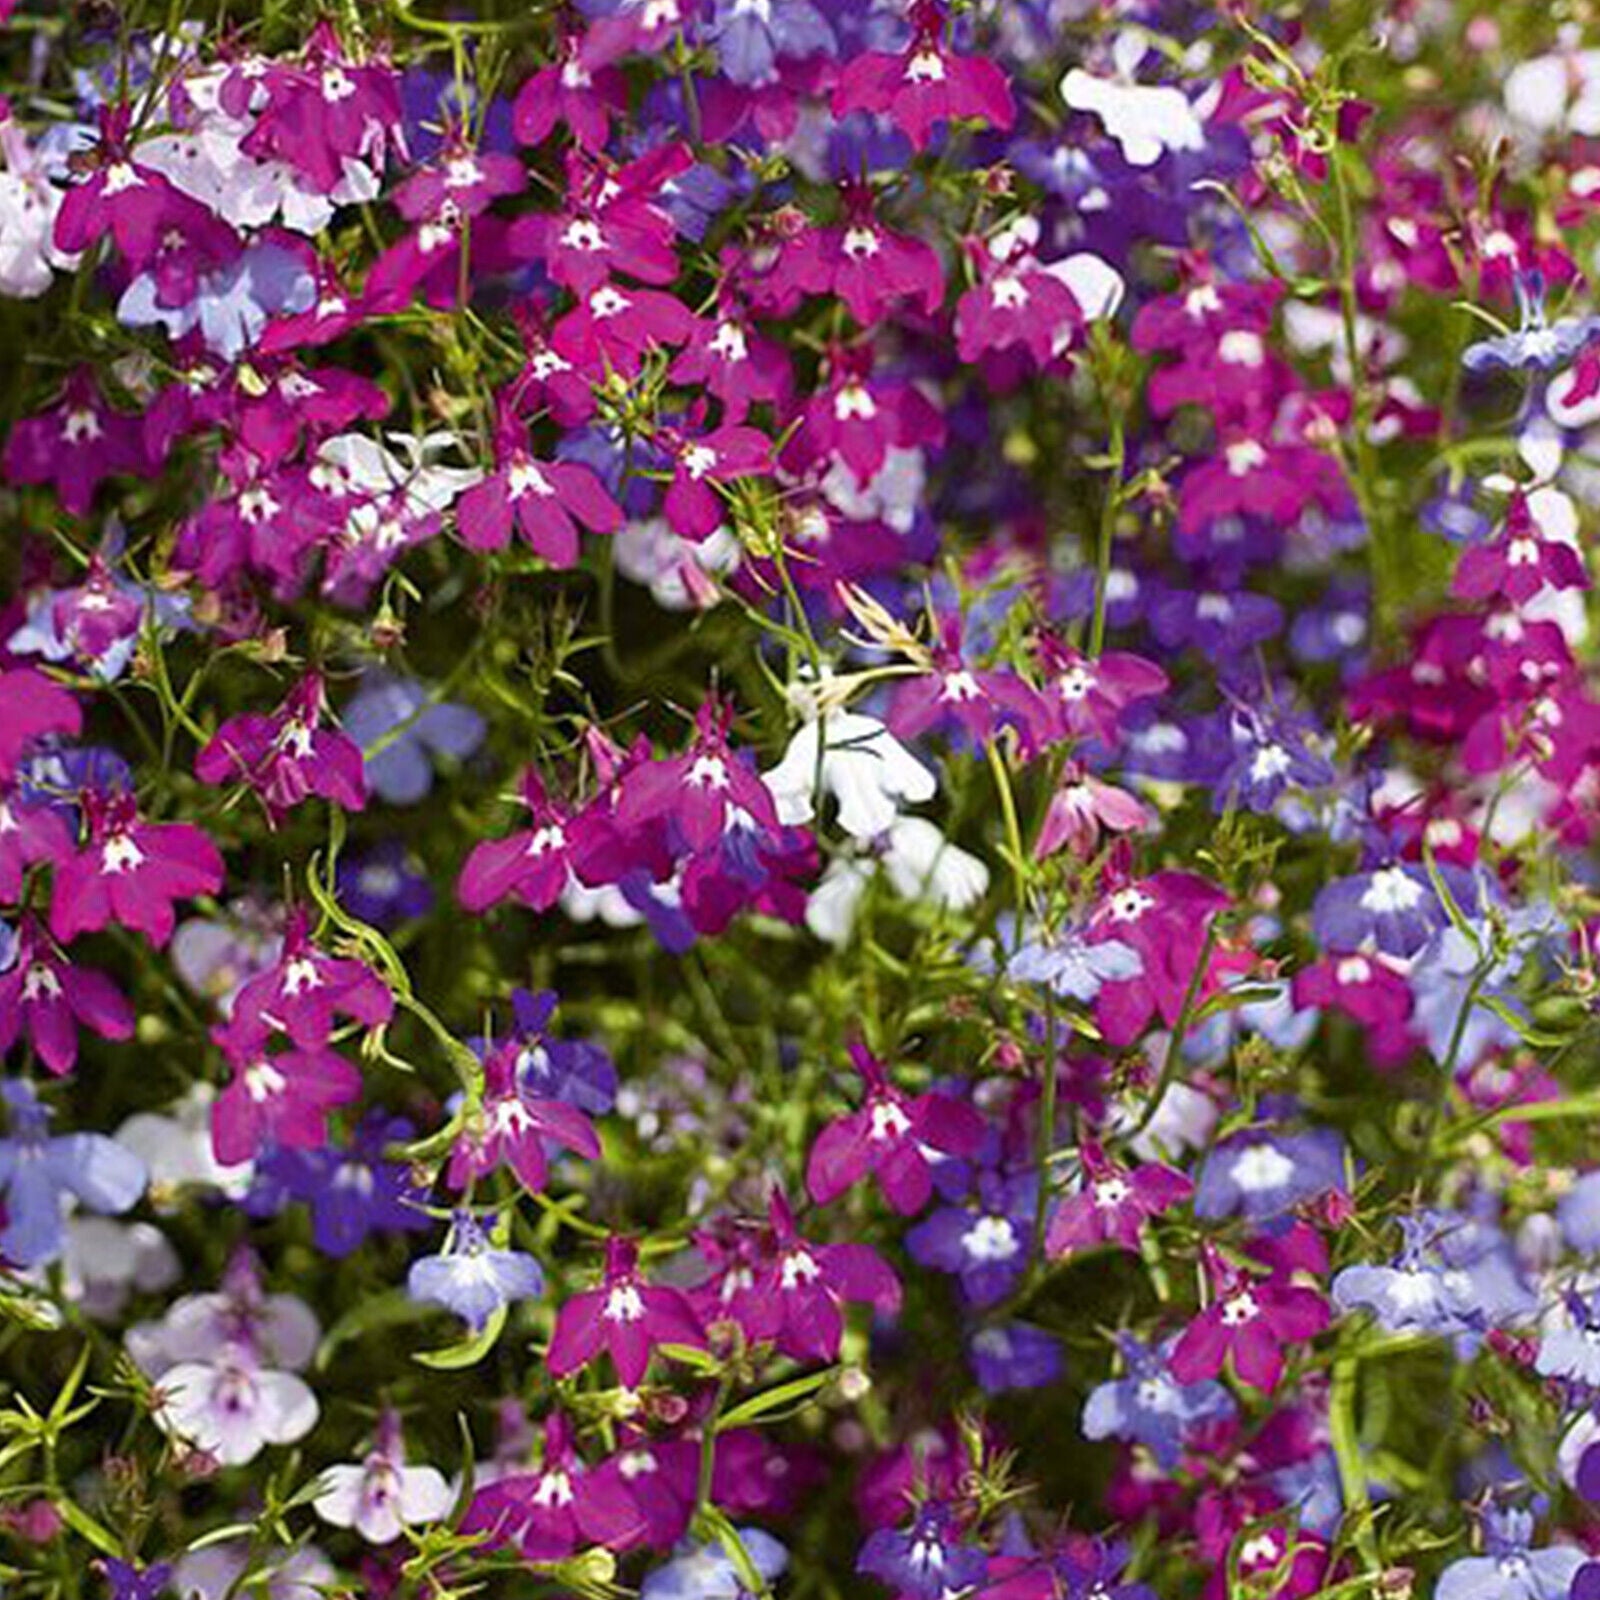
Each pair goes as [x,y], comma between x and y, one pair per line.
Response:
[231,306]
[38,1171]
[471,1277]
[1572,1350]
[1414,1294]
[926,1560]
[1392,907]
[1263,1172]
[1535,342]
[707,1571]
[750,40]
[1072,966]
[1510,1568]
[1015,1355]
[400,729]
[1149,1406]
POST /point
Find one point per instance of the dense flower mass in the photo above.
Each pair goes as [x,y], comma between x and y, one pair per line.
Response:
[799,798]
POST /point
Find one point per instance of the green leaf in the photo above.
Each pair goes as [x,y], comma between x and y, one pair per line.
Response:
[387,1310]
[470,1351]
[86,1527]
[760,1407]
[1524,1029]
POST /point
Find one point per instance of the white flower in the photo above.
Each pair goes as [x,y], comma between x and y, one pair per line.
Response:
[213,1573]
[856,760]
[176,1147]
[365,465]
[921,864]
[106,1260]
[231,1407]
[381,1496]
[676,569]
[1146,121]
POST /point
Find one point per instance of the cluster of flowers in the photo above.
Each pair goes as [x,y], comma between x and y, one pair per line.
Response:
[799,793]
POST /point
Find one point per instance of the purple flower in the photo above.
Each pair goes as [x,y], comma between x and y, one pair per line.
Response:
[383,885]
[38,1170]
[926,1560]
[1415,1292]
[1393,908]
[473,1278]
[1262,1172]
[1015,1355]
[129,1581]
[1510,1568]
[984,1243]
[751,37]
[402,730]
[1149,1406]
[381,1496]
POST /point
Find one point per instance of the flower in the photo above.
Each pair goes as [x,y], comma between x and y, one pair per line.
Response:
[1149,1406]
[38,1170]
[927,1559]
[1510,1568]
[381,1495]
[1248,1320]
[1113,1203]
[401,728]
[473,1278]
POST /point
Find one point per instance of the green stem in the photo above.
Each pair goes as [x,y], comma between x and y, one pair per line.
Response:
[1109,509]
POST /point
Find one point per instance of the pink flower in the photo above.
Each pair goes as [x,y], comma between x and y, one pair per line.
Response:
[303,994]
[514,1124]
[692,506]
[544,500]
[733,363]
[76,445]
[927,83]
[288,756]
[613,329]
[532,865]
[29,834]
[977,701]
[893,1136]
[130,872]
[281,1098]
[1248,1321]
[871,268]
[1017,301]
[857,419]
[1113,1203]
[570,95]
[1519,563]
[31,706]
[1080,808]
[1084,698]
[789,1291]
[625,1316]
[45,997]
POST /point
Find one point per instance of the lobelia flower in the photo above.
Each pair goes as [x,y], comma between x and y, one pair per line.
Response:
[1248,1321]
[1018,299]
[1148,1406]
[851,756]
[1537,344]
[353,1192]
[232,1406]
[927,1559]
[1415,1292]
[401,727]
[1260,1173]
[790,1291]
[894,1136]
[44,997]
[1392,908]
[1113,1203]
[701,462]
[1368,989]
[922,866]
[31,707]
[1084,698]
[215,1572]
[1072,965]
[76,445]
[1510,1567]
[1015,1355]
[546,501]
[612,329]
[513,1124]
[130,872]
[534,865]
[550,1512]
[281,1097]
[382,1496]
[383,885]
[732,362]
[927,83]
[985,1243]
[472,1277]
[1520,562]
[1080,808]
[128,1581]
[624,1316]
[287,756]
[29,203]
[38,1171]
[1147,122]
[752,39]
[571,95]
[959,699]
[574,1070]
[706,1571]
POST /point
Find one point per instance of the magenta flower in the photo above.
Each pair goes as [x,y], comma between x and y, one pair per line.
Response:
[130,872]
[612,329]
[704,792]
[1080,808]
[550,1512]
[303,994]
[1017,301]
[1248,1321]
[569,95]
[732,362]
[31,706]
[29,834]
[977,701]
[282,1098]
[46,998]
[692,506]
[1084,698]
[893,1136]
[459,176]
[857,419]
[76,445]
[514,1124]
[532,865]
[871,268]
[287,756]
[790,1292]
[625,1316]
[1113,1203]
[1519,563]
[927,83]
[544,500]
